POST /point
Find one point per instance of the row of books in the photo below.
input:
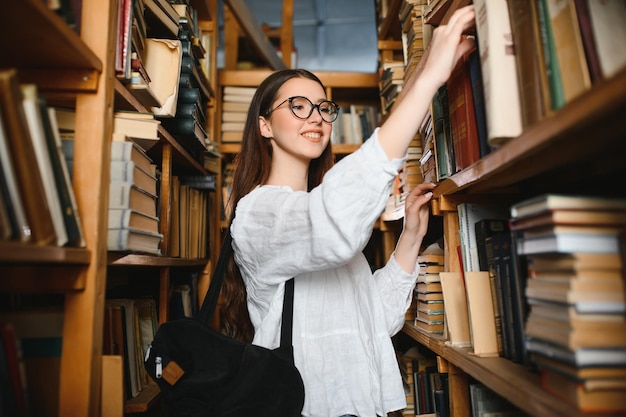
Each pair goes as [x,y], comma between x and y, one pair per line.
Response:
[552,267]
[235,103]
[550,51]
[128,330]
[422,381]
[355,124]
[37,202]
[428,294]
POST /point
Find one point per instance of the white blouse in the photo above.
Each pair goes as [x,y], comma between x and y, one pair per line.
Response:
[344,316]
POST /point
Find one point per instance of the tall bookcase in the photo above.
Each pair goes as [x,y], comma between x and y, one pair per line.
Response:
[78,71]
[577,150]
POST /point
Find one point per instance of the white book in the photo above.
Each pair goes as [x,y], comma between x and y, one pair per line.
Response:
[499,71]
[35,126]
[569,243]
[609,34]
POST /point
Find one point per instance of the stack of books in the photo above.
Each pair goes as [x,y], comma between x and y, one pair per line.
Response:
[576,326]
[133,224]
[428,292]
[235,103]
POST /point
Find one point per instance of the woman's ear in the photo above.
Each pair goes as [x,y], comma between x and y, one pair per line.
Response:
[264,127]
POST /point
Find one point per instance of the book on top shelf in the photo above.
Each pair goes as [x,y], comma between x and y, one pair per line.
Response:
[163,58]
[499,72]
[534,91]
[607,25]
[569,48]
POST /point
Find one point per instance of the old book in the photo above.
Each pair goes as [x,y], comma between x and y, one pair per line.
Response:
[143,131]
[579,357]
[499,287]
[232,116]
[545,202]
[584,395]
[586,34]
[571,290]
[162,60]
[592,220]
[43,158]
[575,262]
[607,24]
[426,287]
[484,401]
[445,163]
[499,72]
[578,372]
[553,71]
[134,240]
[128,151]
[462,115]
[455,302]
[129,196]
[481,314]
[232,137]
[129,218]
[568,243]
[570,313]
[233,126]
[426,296]
[233,106]
[569,48]
[429,326]
[122,171]
[565,334]
[534,91]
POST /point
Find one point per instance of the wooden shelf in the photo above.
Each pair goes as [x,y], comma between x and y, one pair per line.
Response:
[130,259]
[561,141]
[144,401]
[512,381]
[49,53]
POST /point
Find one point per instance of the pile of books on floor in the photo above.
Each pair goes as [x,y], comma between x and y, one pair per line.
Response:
[430,307]
[576,327]
[133,224]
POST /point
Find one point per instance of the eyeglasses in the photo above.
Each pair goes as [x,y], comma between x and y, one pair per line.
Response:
[302,108]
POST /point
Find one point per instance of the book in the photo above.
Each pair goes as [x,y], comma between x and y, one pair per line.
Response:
[533,85]
[122,171]
[481,314]
[592,220]
[575,262]
[552,69]
[233,106]
[162,60]
[129,196]
[574,290]
[469,214]
[581,395]
[569,48]
[429,326]
[568,243]
[128,151]
[134,240]
[440,116]
[119,218]
[462,115]
[499,72]
[578,372]
[455,302]
[593,335]
[161,19]
[142,131]
[608,30]
[579,357]
[43,153]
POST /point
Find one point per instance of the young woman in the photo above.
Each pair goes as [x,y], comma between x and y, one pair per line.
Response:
[295,216]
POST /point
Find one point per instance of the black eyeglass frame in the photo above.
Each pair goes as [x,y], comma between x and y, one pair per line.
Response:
[313,107]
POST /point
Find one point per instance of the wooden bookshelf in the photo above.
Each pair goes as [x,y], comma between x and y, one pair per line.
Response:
[578,149]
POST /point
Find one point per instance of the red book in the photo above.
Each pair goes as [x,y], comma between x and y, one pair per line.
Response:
[462,115]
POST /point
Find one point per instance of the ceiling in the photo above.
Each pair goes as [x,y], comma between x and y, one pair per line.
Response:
[329,35]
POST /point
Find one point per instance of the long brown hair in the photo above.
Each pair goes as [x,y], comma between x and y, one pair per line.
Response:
[252,168]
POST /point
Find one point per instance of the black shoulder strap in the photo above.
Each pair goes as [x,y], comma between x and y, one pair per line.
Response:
[210,301]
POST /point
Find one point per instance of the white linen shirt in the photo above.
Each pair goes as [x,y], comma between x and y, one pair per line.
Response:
[344,316]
